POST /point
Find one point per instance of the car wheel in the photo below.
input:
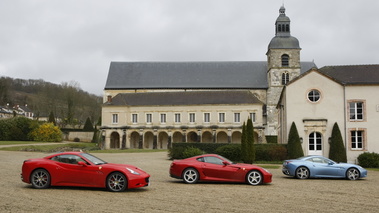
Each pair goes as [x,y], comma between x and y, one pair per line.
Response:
[40,179]
[302,173]
[116,182]
[254,177]
[190,175]
[352,174]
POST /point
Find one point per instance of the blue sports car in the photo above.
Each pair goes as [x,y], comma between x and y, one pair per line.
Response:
[321,167]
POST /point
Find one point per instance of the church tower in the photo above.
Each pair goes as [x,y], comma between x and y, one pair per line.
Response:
[283,61]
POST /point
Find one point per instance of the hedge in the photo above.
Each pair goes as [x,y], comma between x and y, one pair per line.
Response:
[369,160]
[264,152]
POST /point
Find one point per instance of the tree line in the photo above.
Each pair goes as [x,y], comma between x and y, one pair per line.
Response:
[70,105]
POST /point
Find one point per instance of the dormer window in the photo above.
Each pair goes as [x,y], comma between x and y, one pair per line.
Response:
[285,60]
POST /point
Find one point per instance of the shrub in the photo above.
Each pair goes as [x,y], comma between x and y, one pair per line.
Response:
[337,151]
[264,152]
[369,160]
[88,125]
[250,142]
[46,132]
[192,151]
[294,146]
[271,152]
[176,152]
[271,139]
[16,128]
[230,151]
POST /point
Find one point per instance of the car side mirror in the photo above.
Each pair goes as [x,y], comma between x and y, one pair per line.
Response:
[81,163]
[330,163]
[225,163]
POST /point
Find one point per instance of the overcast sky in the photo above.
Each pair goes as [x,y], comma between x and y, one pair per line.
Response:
[75,40]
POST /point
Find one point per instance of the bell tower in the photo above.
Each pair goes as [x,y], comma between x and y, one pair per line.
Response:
[283,63]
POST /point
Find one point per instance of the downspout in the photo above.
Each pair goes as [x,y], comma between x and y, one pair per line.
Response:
[344,117]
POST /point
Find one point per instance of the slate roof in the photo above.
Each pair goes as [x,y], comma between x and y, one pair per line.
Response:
[184,98]
[353,74]
[190,75]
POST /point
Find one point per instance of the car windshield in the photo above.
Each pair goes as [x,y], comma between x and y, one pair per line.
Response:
[93,159]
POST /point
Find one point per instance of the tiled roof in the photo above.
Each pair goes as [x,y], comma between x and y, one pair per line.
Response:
[184,98]
[194,75]
[353,74]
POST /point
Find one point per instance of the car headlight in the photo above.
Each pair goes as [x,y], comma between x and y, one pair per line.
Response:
[132,171]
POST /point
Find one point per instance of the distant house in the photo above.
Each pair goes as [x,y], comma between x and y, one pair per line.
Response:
[24,110]
[346,95]
[8,112]
[5,112]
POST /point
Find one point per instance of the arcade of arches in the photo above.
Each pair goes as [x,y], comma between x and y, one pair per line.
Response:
[162,139]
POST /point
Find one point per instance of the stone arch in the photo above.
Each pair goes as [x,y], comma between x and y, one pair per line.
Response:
[222,137]
[207,137]
[192,137]
[162,140]
[134,140]
[115,140]
[236,137]
[177,137]
[148,140]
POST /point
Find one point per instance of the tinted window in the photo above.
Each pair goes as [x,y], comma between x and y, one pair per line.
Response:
[213,160]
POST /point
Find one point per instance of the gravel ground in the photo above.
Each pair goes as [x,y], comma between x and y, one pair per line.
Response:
[166,194]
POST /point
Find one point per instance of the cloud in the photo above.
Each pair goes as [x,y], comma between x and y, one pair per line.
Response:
[63,41]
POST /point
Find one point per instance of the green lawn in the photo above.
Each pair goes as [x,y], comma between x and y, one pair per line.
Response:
[18,142]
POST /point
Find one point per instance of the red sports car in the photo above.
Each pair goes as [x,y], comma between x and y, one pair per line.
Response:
[211,167]
[83,170]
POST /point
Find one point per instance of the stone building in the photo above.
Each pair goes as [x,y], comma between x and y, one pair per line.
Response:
[153,104]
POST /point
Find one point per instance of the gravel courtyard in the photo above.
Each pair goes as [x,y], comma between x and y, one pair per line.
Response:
[166,194]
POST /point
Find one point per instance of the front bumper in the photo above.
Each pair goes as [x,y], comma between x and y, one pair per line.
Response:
[285,171]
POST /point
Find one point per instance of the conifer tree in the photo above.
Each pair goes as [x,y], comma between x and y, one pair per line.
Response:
[294,145]
[52,118]
[337,151]
[250,141]
[88,125]
[243,144]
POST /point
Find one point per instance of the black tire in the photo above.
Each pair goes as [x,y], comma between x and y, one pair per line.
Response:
[254,178]
[352,174]
[302,173]
[40,179]
[190,175]
[116,182]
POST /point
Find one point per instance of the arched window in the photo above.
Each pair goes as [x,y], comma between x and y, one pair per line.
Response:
[285,78]
[285,60]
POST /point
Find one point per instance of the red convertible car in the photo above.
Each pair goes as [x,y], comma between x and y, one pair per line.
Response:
[211,167]
[83,170]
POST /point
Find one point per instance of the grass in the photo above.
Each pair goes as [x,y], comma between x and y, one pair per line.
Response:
[17,142]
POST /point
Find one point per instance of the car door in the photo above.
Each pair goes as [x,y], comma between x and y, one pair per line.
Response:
[70,172]
[324,168]
[214,167]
